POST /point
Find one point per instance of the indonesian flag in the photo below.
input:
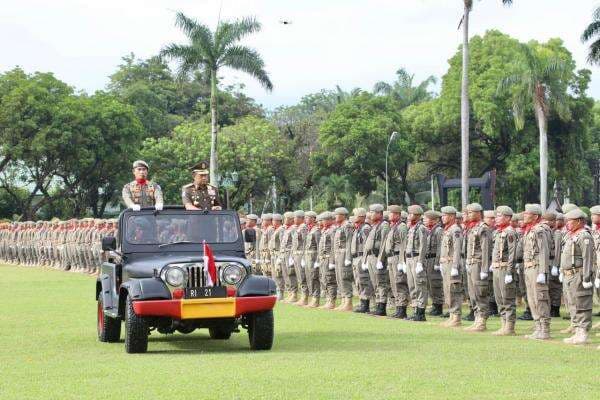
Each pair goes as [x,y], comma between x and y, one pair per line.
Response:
[209,262]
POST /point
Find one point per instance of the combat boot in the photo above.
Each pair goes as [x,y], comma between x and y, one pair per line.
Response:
[400,312]
[502,330]
[293,298]
[509,328]
[580,337]
[380,310]
[436,310]
[420,315]
[329,304]
[555,311]
[480,326]
[526,315]
[363,307]
[347,305]
[342,305]
[303,300]
[314,302]
[454,321]
[471,316]
[569,330]
[536,331]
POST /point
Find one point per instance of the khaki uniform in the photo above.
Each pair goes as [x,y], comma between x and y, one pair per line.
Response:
[343,259]
[361,276]
[311,265]
[326,263]
[536,261]
[265,252]
[252,250]
[378,274]
[276,263]
[432,266]
[393,256]
[477,261]
[202,197]
[147,195]
[416,256]
[286,258]
[298,256]
[450,258]
[503,265]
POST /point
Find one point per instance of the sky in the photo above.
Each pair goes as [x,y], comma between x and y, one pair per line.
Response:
[350,43]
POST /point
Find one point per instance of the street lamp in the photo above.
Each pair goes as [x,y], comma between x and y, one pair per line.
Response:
[387,151]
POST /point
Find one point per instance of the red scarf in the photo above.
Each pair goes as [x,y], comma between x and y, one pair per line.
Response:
[446,227]
[141,181]
[528,227]
[597,226]
[357,226]
[501,228]
[573,233]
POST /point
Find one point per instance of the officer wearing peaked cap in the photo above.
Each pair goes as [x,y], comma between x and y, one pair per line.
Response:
[200,195]
[142,192]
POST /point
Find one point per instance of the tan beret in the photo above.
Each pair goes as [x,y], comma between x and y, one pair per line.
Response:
[549,216]
[568,207]
[448,210]
[360,212]
[489,214]
[560,216]
[504,210]
[267,216]
[140,163]
[432,214]
[394,208]
[533,209]
[277,217]
[310,214]
[575,214]
[299,214]
[595,210]
[459,215]
[341,211]
[415,209]
[328,215]
[288,215]
[253,217]
[376,208]
[474,207]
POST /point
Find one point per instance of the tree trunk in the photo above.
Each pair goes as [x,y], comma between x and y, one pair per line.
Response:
[464,111]
[540,116]
[213,128]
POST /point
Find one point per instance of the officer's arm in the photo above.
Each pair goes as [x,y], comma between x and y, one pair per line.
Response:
[557,237]
[457,237]
[423,236]
[438,246]
[511,246]
[587,253]
[349,232]
[187,202]
[486,250]
[127,197]
[544,259]
[402,236]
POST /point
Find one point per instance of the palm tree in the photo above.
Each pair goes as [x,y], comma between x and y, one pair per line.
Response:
[210,51]
[464,102]
[403,89]
[540,84]
[593,32]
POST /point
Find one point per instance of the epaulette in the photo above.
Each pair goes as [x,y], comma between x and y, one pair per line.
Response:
[188,185]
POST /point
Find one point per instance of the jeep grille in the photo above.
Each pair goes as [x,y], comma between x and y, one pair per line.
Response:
[198,276]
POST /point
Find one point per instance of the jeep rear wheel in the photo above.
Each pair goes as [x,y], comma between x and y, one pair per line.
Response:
[136,330]
[219,333]
[109,329]
[261,330]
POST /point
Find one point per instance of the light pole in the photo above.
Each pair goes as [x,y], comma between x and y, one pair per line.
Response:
[387,151]
[228,181]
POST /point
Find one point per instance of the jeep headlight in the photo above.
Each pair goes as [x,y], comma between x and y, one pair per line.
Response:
[232,274]
[174,276]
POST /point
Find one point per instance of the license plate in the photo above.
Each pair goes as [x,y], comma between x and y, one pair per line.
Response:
[202,292]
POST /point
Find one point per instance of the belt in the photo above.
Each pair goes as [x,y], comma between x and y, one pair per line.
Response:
[530,264]
[500,265]
[430,256]
[412,254]
[571,271]
[396,253]
[358,254]
[473,260]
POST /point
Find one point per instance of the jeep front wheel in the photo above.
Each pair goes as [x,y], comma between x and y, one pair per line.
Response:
[261,330]
[109,329]
[136,330]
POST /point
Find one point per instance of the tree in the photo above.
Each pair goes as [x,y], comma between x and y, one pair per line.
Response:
[403,90]
[541,82]
[592,33]
[209,51]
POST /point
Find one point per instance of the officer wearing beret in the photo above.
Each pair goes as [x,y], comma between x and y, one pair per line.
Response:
[142,192]
[200,195]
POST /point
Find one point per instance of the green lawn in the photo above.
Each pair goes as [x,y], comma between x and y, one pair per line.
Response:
[49,350]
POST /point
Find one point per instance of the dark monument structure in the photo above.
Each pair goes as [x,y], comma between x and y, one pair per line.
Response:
[486,184]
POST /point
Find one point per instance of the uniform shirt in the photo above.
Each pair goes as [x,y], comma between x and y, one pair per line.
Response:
[535,248]
[311,241]
[595,233]
[395,241]
[478,246]
[298,239]
[416,242]
[342,238]
[326,245]
[451,246]
[578,252]
[359,236]
[263,245]
[275,240]
[505,248]
[553,256]
[377,235]
[251,248]
[202,197]
[147,195]
[287,239]
[434,242]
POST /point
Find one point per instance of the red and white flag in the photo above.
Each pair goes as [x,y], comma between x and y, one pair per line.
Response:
[209,263]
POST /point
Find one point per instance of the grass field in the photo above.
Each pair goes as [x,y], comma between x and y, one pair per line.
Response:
[49,350]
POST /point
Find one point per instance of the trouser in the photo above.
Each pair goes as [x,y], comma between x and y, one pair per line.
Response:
[311,273]
[253,257]
[301,285]
[478,290]
[289,272]
[363,279]
[505,294]
[555,290]
[581,300]
[328,276]
[276,270]
[538,296]
[465,282]
[380,279]
[343,274]
[521,287]
[453,289]
[265,264]
[398,281]
[434,282]
[417,283]
[491,285]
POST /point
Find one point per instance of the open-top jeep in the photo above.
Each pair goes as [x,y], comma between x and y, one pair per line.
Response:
[156,279]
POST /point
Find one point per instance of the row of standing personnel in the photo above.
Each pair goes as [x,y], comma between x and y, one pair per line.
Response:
[73,245]
[403,259]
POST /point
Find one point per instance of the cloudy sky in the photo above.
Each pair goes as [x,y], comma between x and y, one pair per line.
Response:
[351,43]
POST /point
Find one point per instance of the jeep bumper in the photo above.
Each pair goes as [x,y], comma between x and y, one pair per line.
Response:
[220,307]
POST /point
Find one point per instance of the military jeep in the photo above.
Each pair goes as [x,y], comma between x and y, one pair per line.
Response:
[155,279]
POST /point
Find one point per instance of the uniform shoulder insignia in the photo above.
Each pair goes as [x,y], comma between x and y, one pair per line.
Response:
[188,185]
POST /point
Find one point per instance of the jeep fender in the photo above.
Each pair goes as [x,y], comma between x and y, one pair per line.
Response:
[143,289]
[257,285]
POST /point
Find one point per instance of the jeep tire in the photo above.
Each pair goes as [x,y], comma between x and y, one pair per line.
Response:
[261,330]
[109,329]
[136,330]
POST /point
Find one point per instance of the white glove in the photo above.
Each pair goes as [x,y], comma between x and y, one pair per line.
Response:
[291,261]
[483,275]
[468,268]
[586,285]
[399,267]
[256,261]
[347,263]
[364,266]
[554,271]
[278,261]
[419,268]
[136,207]
[316,265]
[158,206]
[560,277]
[508,279]
[331,267]
[303,263]
[454,272]
[379,265]
[436,268]
[597,283]
[541,278]
[490,269]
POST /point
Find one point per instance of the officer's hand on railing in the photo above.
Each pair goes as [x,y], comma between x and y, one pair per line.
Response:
[454,272]
[419,268]
[586,285]
[554,270]
[483,275]
[541,278]
[508,279]
[347,263]
[136,207]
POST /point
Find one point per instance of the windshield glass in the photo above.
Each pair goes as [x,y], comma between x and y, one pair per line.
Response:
[161,229]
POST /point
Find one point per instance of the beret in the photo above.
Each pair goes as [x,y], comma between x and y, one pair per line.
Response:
[568,207]
[310,214]
[140,163]
[549,216]
[253,217]
[415,209]
[533,209]
[489,214]
[575,214]
[376,208]
[504,210]
[341,211]
[449,210]
[288,214]
[360,212]
[242,221]
[299,214]
[394,208]
[595,210]
[328,215]
[432,214]
[267,216]
[474,207]
[277,217]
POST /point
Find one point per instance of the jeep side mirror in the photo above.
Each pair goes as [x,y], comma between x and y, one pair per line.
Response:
[109,243]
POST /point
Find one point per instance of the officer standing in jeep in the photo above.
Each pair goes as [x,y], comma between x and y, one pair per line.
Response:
[200,195]
[142,192]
